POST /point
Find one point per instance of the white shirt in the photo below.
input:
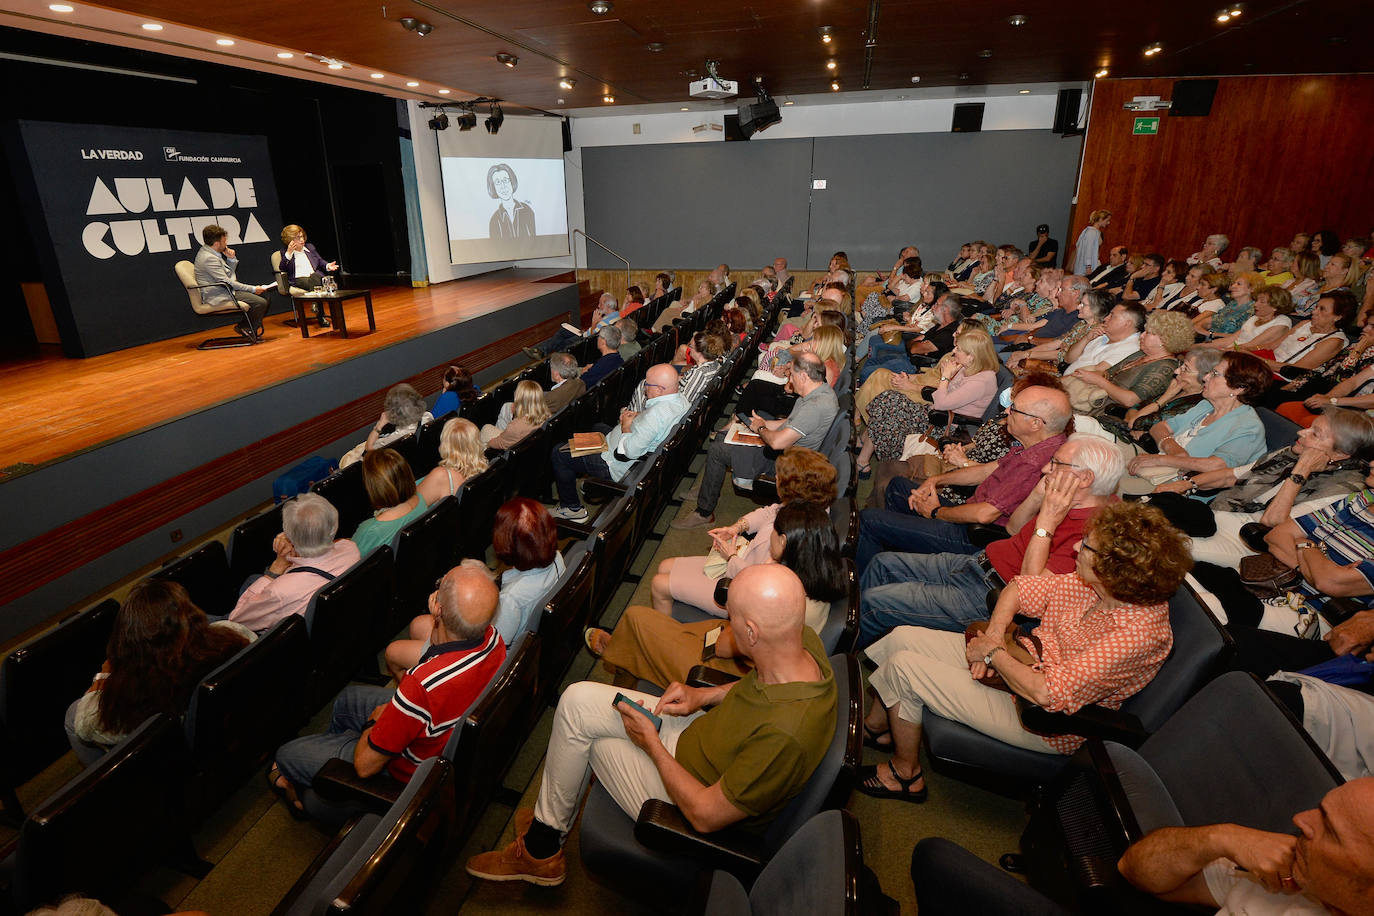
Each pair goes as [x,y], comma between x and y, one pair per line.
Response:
[1103,350]
[1252,328]
[303,267]
[1301,339]
[1237,895]
[1211,305]
[1086,249]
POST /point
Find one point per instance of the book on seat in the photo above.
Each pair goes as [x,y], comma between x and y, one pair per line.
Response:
[587,444]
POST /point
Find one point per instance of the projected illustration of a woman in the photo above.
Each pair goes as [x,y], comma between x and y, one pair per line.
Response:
[513,218]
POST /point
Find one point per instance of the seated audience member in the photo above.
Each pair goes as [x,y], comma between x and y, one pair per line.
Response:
[1144,280]
[638,434]
[1136,379]
[1024,310]
[903,283]
[739,762]
[1327,868]
[1307,280]
[1319,338]
[307,559]
[1004,281]
[528,412]
[395,500]
[1335,716]
[1173,286]
[458,390]
[948,591]
[663,284]
[937,338]
[771,399]
[1327,462]
[1278,270]
[629,347]
[1247,261]
[1077,317]
[634,301]
[1263,330]
[806,426]
[605,314]
[720,277]
[160,648]
[567,386]
[707,350]
[1210,255]
[775,356]
[1103,635]
[1182,394]
[704,294]
[302,266]
[216,270]
[1231,317]
[461,457]
[1111,277]
[1120,338]
[402,413]
[967,384]
[803,474]
[608,345]
[654,647]
[524,538]
[1355,371]
[984,273]
[782,275]
[393,731]
[1044,251]
[917,521]
[1222,431]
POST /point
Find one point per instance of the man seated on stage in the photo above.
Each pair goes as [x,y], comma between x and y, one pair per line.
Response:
[302,266]
[308,558]
[215,268]
[608,345]
[1327,868]
[738,763]
[604,315]
[637,435]
[806,426]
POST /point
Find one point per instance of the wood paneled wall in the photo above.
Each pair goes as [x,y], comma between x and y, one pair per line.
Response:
[1276,155]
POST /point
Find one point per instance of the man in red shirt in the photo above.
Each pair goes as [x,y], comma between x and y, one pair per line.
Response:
[947,591]
[396,730]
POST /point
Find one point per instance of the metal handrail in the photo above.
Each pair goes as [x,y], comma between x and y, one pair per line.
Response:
[613,254]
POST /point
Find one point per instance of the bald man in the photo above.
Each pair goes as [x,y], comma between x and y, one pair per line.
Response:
[739,762]
[394,730]
[638,434]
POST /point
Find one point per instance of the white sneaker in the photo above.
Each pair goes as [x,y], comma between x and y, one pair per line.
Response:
[571,515]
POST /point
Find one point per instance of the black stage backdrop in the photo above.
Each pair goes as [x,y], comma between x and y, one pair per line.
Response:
[122,205]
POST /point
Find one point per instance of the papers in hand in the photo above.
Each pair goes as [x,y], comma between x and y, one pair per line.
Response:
[739,434]
[586,444]
[572,327]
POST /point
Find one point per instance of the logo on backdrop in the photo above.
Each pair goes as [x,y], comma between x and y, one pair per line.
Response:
[138,196]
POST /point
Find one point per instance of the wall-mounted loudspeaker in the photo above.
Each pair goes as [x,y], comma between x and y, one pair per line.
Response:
[1066,111]
[968,118]
[1192,98]
[567,136]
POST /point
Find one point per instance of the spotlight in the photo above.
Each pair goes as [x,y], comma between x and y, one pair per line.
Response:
[61,7]
[445,91]
[827,33]
[1017,19]
[467,120]
[1100,73]
[495,119]
[566,83]
[510,60]
[1235,9]
[761,114]
[1223,15]
[439,122]
[834,85]
[336,66]
[423,29]
[608,98]
[412,83]
[408,23]
[601,7]
[830,65]
[152,27]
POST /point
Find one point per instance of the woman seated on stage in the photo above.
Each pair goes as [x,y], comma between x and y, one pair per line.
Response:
[1103,634]
[302,265]
[162,645]
[803,474]
[402,413]
[652,646]
[395,501]
[461,458]
[528,414]
[458,390]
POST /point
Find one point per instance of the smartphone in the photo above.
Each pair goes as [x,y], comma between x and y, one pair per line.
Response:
[621,698]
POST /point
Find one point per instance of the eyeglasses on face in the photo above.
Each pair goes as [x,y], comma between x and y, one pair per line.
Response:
[1055,462]
[1025,413]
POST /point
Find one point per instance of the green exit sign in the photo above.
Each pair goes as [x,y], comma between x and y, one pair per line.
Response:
[1146,126]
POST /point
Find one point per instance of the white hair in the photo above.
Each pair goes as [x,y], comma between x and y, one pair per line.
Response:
[1102,458]
[310,522]
[1221,241]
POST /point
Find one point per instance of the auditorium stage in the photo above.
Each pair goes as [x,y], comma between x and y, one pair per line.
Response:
[115,462]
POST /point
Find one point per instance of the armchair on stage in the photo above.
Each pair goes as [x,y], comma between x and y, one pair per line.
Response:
[186,273]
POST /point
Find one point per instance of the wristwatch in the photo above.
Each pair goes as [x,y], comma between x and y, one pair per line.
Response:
[1299,479]
[987,659]
[1042,533]
[935,513]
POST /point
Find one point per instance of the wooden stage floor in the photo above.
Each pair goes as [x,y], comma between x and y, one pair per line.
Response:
[55,406]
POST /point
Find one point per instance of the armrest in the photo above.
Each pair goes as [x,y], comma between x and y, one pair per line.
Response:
[609,488]
[337,781]
[573,529]
[702,676]
[983,535]
[662,827]
[1090,722]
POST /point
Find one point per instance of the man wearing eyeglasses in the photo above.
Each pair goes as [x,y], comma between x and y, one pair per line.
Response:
[915,520]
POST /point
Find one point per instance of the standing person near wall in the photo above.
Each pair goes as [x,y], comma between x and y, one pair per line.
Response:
[1087,249]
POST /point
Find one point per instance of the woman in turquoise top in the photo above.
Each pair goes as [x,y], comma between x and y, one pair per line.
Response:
[395,502]
[1222,431]
[1230,317]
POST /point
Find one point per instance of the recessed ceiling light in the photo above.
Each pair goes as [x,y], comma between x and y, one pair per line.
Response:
[567,83]
[827,33]
[378,76]
[1100,73]
[225,42]
[1151,50]
[412,83]
[985,53]
[285,55]
[601,7]
[608,98]
[915,79]
[61,7]
[152,26]
[1024,92]
[834,85]
[789,102]
[1235,9]
[336,66]
[684,108]
[445,91]
[655,46]
[830,65]
[1017,19]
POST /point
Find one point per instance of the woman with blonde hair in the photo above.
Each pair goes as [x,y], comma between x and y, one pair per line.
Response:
[967,385]
[528,414]
[460,459]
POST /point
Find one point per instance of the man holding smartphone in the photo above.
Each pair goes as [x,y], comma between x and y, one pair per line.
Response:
[739,762]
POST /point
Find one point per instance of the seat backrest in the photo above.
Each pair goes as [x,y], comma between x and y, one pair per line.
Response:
[204,573]
[617,545]
[567,612]
[480,497]
[250,544]
[839,431]
[1279,432]
[340,619]
[426,455]
[1201,647]
[835,770]
[40,678]
[815,872]
[1005,379]
[384,864]
[842,625]
[530,468]
[186,273]
[345,491]
[424,552]
[245,708]
[483,410]
[1259,773]
[108,825]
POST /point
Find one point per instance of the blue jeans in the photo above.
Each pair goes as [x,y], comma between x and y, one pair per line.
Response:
[301,758]
[566,470]
[883,530]
[942,591]
[894,362]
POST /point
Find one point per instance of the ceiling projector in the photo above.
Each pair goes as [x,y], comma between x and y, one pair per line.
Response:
[713,87]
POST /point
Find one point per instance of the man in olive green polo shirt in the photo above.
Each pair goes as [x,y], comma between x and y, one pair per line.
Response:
[738,763]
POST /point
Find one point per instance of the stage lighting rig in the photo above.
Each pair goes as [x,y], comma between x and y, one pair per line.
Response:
[495,119]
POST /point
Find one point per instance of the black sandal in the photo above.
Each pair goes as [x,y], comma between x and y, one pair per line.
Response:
[871,739]
[292,805]
[871,785]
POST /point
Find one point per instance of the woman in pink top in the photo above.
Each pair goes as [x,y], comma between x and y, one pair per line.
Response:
[529,411]
[968,383]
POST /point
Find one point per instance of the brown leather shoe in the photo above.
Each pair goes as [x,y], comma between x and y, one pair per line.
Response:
[515,864]
[523,818]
